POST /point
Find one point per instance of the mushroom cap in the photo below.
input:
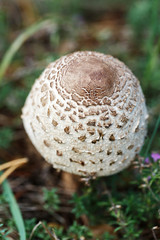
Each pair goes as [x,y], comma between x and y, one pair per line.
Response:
[86,114]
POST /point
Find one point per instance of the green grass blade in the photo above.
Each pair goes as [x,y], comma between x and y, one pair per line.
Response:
[152,137]
[27,33]
[14,208]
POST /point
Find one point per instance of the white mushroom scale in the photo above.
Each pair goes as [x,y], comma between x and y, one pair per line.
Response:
[86,114]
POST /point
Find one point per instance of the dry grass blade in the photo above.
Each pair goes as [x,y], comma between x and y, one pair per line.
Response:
[12,165]
[7,173]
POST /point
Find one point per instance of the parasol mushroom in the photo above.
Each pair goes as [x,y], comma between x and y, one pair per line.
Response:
[86,114]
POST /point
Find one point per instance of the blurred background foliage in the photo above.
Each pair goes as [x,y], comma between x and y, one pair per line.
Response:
[126,29]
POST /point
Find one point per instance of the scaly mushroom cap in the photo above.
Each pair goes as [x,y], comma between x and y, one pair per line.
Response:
[86,114]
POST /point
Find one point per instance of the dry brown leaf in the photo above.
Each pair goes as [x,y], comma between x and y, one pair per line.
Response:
[29,12]
[99,230]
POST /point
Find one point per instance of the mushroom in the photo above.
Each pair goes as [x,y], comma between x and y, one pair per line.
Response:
[86,114]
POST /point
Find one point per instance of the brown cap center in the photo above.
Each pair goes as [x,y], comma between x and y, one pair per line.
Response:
[89,76]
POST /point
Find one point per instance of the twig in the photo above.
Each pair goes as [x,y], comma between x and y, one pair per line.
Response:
[34,229]
[53,236]
[153,232]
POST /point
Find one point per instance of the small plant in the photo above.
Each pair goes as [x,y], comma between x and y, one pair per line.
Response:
[75,231]
[51,200]
[37,230]
[79,232]
[3,232]
[126,224]
[79,206]
[91,203]
[107,236]
[150,171]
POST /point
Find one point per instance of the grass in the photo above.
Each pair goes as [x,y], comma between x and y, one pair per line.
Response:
[153,136]
[122,206]
[19,41]
[14,208]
